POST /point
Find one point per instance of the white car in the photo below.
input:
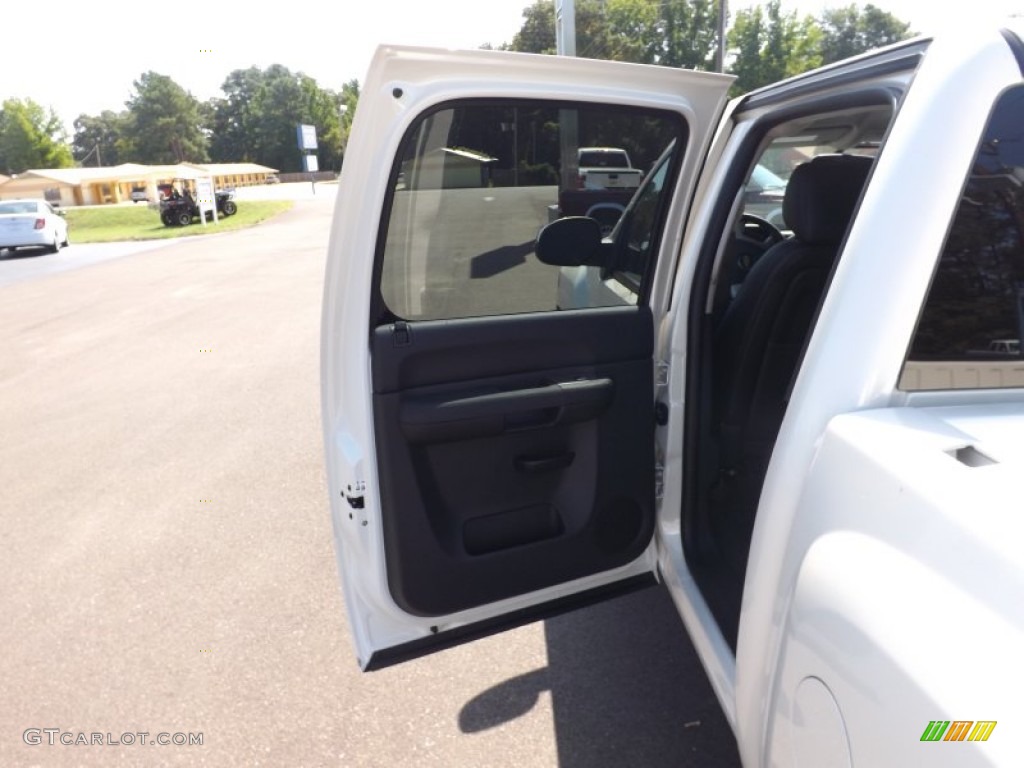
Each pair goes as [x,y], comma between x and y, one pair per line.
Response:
[32,224]
[787,428]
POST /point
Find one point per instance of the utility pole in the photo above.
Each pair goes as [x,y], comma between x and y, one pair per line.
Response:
[565,27]
[723,12]
[568,120]
[515,146]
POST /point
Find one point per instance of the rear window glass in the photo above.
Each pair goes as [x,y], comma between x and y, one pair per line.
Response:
[603,160]
[19,207]
[969,332]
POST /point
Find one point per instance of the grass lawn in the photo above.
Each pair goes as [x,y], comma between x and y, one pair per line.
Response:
[123,222]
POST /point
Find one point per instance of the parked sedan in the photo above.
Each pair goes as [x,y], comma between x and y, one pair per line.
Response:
[32,223]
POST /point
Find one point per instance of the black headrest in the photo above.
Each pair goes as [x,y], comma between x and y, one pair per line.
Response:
[821,195]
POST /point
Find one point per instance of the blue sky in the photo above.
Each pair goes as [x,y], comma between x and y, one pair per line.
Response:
[83,56]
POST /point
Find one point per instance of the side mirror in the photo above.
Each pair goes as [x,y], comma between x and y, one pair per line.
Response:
[573,242]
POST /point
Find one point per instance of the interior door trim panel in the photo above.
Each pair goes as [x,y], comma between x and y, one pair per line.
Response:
[507,452]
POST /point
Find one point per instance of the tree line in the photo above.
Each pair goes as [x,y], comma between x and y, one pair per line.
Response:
[162,123]
[764,44]
[255,118]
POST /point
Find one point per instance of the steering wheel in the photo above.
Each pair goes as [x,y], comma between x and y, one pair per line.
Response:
[753,236]
[758,231]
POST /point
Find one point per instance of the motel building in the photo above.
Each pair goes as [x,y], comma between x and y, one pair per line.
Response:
[68,187]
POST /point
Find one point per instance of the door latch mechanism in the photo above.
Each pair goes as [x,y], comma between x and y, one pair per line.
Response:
[353,494]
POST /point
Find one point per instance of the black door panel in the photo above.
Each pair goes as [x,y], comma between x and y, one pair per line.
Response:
[537,470]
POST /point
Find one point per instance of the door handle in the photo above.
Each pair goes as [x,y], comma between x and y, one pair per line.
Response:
[536,464]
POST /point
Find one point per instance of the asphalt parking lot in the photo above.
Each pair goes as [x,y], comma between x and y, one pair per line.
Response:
[168,563]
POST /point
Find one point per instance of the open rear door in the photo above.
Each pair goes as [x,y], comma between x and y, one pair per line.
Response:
[490,457]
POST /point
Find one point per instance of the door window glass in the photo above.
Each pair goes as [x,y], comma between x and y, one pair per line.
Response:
[640,227]
[476,182]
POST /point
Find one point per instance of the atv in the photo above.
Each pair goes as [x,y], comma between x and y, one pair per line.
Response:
[179,208]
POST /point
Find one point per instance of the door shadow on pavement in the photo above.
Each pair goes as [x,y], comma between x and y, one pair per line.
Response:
[627,689]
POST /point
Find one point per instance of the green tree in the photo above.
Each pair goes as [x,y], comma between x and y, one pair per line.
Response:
[277,107]
[322,109]
[164,124]
[31,137]
[747,38]
[256,119]
[674,33]
[632,30]
[537,35]
[851,30]
[805,54]
[349,98]
[768,44]
[235,121]
[284,106]
[688,33]
[771,45]
[97,136]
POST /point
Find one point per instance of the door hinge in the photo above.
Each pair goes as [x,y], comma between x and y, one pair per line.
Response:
[659,481]
[661,370]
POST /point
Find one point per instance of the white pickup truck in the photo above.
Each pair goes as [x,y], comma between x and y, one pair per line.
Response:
[606,168]
[604,181]
[788,429]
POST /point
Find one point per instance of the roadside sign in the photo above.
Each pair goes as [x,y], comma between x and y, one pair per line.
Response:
[307,137]
[205,198]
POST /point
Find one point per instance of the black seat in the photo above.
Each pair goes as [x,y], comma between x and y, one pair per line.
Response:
[763,332]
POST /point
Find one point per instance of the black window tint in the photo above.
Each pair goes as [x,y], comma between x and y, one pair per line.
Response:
[975,308]
[603,160]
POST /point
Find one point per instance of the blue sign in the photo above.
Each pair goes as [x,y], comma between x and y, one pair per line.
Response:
[307,137]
